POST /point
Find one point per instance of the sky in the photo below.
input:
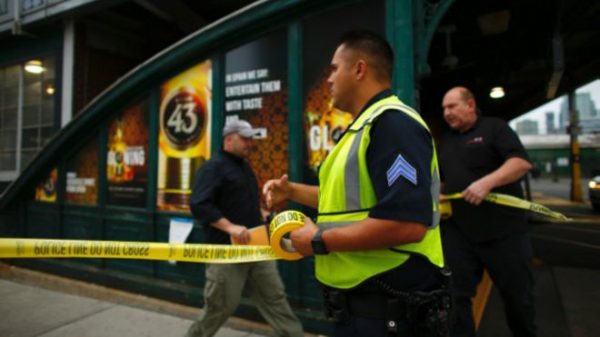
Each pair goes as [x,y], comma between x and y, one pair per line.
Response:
[539,114]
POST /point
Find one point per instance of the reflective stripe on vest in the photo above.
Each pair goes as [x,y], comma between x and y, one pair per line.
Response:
[347,195]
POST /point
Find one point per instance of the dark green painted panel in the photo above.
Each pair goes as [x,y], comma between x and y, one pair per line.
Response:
[82,223]
[43,220]
[10,224]
[136,215]
[79,226]
[120,230]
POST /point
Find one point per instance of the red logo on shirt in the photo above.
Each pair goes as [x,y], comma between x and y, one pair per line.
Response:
[476,140]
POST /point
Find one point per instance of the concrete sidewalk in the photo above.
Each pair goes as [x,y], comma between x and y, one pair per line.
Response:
[35,304]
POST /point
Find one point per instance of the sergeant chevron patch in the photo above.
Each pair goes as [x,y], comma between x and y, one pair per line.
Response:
[401,167]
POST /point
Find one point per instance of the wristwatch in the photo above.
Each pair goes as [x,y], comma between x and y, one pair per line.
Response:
[317,243]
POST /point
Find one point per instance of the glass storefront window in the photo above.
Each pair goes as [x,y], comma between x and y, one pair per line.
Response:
[3,7]
[27,112]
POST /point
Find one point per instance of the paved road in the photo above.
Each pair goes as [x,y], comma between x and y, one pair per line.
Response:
[543,190]
[560,188]
[567,271]
[567,302]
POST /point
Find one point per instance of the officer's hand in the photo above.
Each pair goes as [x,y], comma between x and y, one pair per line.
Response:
[240,233]
[476,192]
[276,190]
[301,238]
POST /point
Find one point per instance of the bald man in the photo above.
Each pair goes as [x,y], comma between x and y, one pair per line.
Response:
[479,155]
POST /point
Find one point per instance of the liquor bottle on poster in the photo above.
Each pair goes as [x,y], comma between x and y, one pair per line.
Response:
[118,170]
[183,120]
[46,190]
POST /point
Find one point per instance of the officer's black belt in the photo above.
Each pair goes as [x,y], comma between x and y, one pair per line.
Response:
[368,304]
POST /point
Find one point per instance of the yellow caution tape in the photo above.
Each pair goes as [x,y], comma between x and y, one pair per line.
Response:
[281,225]
[505,200]
[445,209]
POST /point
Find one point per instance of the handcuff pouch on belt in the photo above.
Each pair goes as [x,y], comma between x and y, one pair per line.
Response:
[428,313]
[425,313]
[336,305]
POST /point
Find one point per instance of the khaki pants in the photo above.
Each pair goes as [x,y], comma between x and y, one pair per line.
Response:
[225,284]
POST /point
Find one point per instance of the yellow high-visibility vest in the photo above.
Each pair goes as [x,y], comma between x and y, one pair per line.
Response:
[346,196]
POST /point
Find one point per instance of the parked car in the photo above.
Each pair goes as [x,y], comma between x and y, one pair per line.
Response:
[594,189]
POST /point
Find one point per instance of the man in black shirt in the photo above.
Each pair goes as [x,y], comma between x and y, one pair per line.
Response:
[478,156]
[225,201]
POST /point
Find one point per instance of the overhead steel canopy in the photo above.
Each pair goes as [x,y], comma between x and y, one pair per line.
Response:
[535,49]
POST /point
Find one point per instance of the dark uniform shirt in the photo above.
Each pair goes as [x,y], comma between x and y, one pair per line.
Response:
[225,186]
[394,133]
[465,158]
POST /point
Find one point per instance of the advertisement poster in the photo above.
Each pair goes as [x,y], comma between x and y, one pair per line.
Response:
[82,175]
[127,157]
[184,134]
[46,190]
[256,90]
[324,124]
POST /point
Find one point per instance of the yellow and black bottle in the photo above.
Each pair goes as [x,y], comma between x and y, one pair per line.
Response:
[116,155]
[184,135]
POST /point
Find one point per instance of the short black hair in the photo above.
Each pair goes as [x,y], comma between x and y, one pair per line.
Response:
[377,50]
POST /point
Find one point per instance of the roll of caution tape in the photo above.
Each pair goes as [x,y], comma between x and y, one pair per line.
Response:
[281,225]
[506,200]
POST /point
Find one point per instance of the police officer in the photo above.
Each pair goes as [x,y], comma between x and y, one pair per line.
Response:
[377,244]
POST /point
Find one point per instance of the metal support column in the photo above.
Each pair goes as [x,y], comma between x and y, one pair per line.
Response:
[400,33]
[410,28]
[574,130]
[428,16]
[68,64]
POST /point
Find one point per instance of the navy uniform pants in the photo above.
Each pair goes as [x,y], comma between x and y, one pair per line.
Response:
[508,261]
[370,309]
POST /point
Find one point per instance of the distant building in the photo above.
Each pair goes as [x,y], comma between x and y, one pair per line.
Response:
[589,116]
[550,126]
[527,127]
